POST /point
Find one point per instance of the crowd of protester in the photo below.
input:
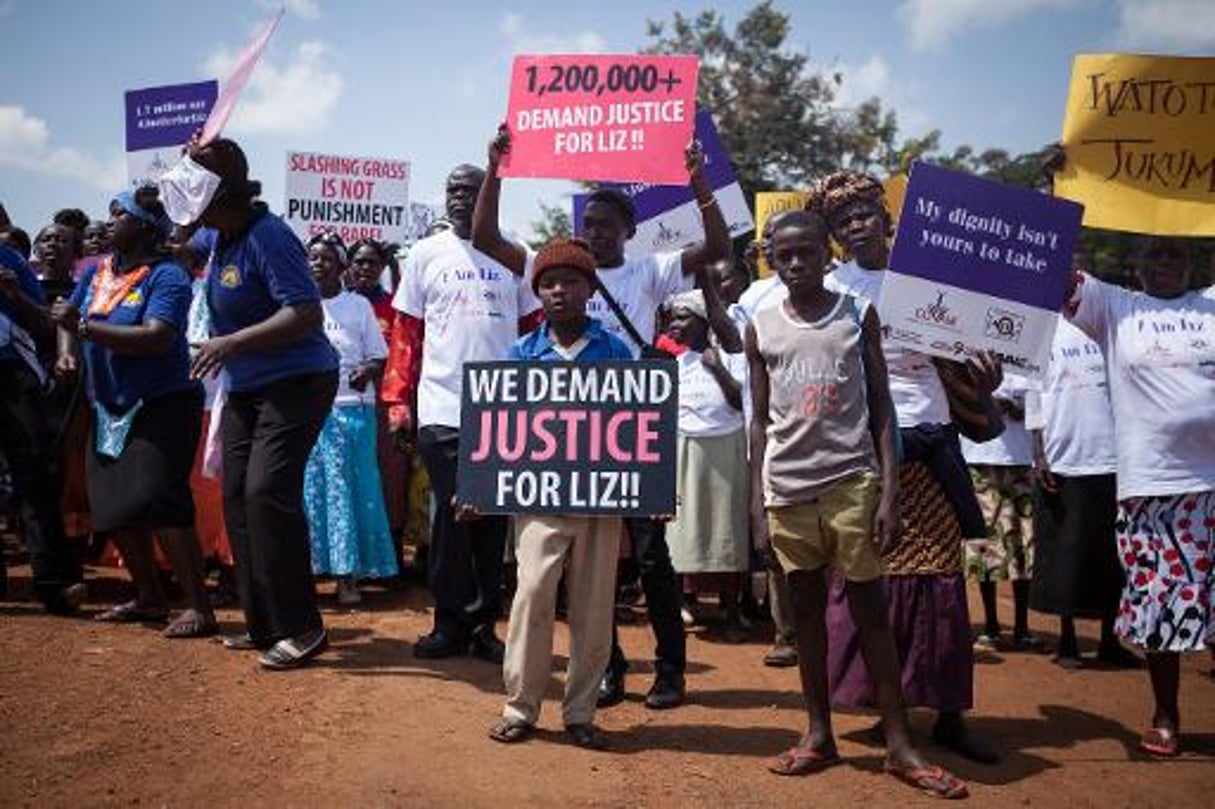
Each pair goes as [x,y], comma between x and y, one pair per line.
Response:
[217,395]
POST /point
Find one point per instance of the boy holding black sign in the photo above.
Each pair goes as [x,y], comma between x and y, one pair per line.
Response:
[585,547]
[639,285]
[825,485]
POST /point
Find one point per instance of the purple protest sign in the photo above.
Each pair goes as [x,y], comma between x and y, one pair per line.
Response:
[978,266]
[667,215]
[167,116]
[986,237]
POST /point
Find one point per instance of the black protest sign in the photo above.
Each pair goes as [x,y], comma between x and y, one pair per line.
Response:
[569,438]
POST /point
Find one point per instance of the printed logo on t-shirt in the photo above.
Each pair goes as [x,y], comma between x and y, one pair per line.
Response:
[133,298]
[229,277]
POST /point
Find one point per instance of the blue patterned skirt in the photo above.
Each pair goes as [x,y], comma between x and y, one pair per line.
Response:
[344,500]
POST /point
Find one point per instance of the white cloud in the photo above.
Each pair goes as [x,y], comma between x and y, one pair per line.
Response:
[308,9]
[1177,24]
[873,77]
[25,143]
[284,98]
[862,82]
[514,30]
[931,23]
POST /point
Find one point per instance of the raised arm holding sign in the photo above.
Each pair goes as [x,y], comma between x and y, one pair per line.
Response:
[604,117]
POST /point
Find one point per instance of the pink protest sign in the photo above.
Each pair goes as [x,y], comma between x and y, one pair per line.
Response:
[597,117]
[241,72]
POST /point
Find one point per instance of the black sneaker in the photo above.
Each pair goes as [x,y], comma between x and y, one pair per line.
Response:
[66,601]
[611,689]
[486,646]
[437,645]
[667,692]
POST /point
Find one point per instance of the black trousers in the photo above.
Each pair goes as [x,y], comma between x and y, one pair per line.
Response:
[268,435]
[662,599]
[465,558]
[25,440]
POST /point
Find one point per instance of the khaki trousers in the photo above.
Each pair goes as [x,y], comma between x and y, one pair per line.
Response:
[586,547]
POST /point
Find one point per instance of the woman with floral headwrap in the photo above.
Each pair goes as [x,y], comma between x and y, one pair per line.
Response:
[129,313]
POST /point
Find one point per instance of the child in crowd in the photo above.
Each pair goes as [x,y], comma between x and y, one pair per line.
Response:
[709,537]
[584,547]
[342,491]
[825,485]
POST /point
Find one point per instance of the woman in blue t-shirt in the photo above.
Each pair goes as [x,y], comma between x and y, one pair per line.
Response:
[128,314]
[282,374]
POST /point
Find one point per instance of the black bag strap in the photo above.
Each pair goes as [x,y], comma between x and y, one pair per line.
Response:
[621,316]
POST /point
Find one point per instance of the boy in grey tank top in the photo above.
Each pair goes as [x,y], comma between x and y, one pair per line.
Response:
[823,429]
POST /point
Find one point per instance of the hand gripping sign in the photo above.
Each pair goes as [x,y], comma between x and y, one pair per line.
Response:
[596,117]
[567,438]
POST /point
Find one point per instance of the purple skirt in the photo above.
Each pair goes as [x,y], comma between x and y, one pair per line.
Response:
[931,625]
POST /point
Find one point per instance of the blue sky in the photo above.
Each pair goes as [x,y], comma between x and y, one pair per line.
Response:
[427,82]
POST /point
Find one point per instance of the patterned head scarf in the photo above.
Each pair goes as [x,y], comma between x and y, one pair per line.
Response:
[836,191]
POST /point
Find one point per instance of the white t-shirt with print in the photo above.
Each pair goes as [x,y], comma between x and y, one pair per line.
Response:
[470,306]
[759,295]
[915,386]
[1160,355]
[1071,406]
[354,332]
[1012,447]
[703,409]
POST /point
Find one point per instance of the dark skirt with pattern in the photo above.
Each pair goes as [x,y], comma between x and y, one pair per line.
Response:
[926,599]
[148,485]
[1076,569]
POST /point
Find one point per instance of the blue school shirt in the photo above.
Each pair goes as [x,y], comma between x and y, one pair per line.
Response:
[601,345]
[251,278]
[118,381]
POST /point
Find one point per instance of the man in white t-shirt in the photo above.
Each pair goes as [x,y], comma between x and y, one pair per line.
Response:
[639,285]
[454,305]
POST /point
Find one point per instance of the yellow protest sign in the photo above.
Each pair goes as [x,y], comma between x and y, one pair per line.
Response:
[1139,138]
[896,190]
[767,205]
[770,203]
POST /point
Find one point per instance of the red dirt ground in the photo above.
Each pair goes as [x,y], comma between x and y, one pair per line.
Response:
[104,715]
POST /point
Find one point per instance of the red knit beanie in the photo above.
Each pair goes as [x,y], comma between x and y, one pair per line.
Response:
[573,253]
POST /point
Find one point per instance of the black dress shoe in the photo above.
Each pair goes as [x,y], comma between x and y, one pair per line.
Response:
[667,692]
[437,645]
[485,645]
[611,689]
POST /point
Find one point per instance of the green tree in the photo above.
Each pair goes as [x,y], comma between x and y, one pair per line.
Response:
[554,223]
[776,115]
